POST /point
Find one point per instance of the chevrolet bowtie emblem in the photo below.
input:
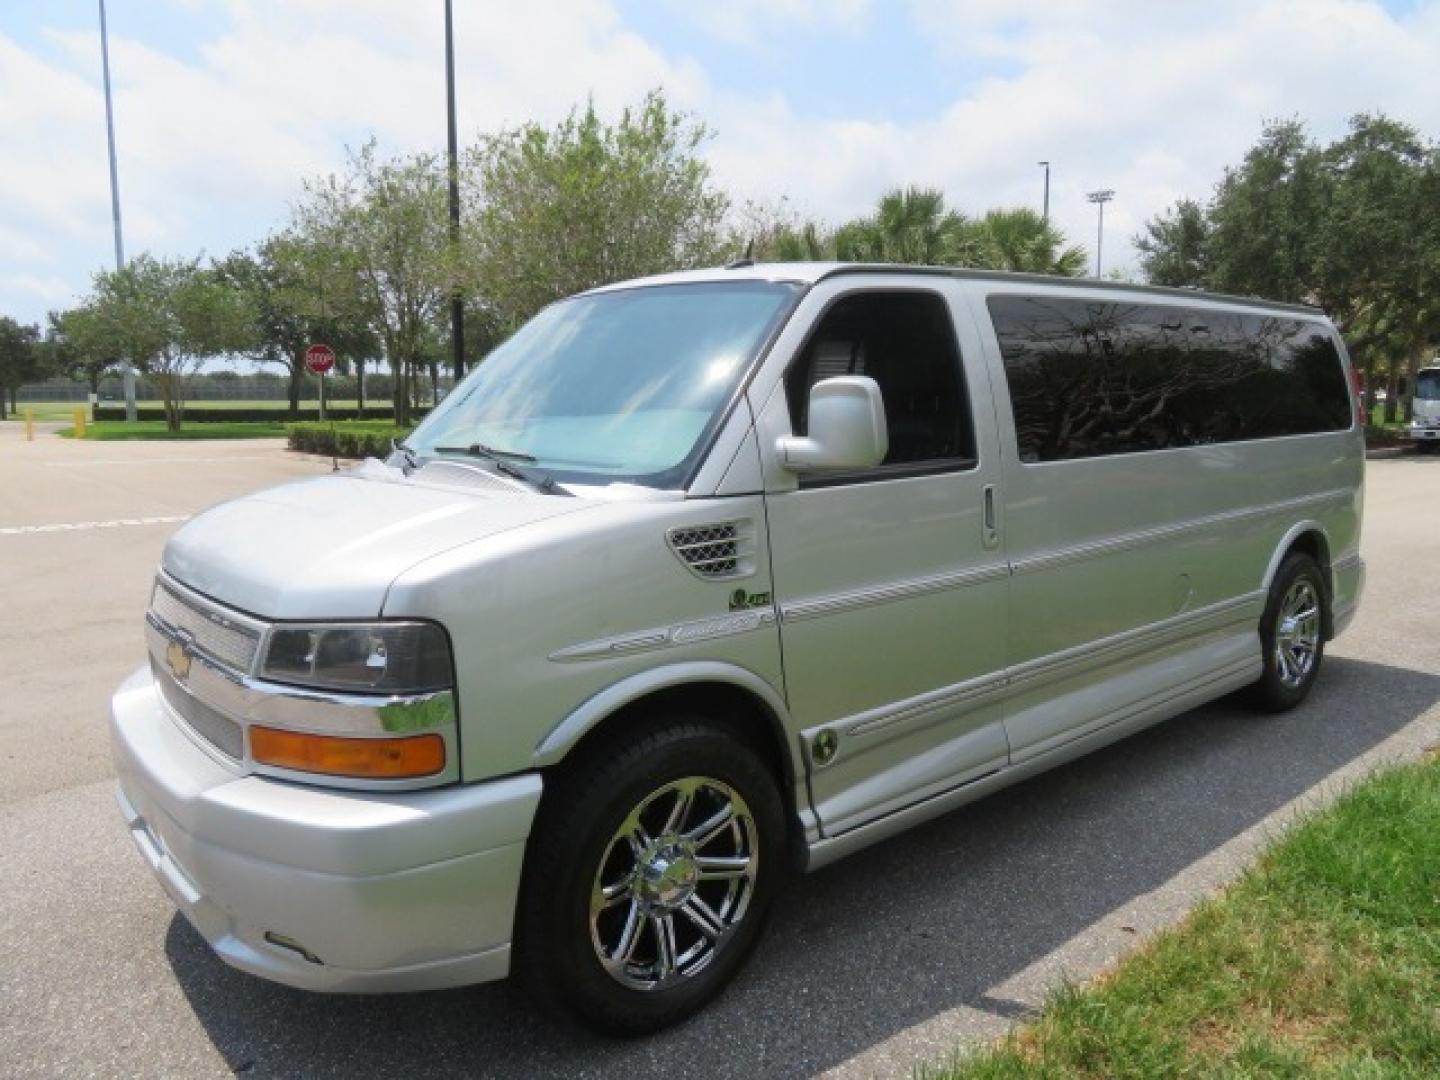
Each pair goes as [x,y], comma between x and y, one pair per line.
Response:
[178,657]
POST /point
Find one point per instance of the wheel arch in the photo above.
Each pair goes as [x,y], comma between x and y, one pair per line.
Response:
[723,690]
[1309,537]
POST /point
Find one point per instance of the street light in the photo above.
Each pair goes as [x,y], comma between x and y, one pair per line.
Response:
[457,302]
[127,372]
[1046,166]
[1100,198]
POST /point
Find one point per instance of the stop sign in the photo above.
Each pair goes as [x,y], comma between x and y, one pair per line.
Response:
[319,359]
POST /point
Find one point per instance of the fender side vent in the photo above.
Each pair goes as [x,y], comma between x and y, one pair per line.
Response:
[721,550]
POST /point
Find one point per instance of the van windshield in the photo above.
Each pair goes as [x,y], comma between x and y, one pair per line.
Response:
[620,386]
[1427,385]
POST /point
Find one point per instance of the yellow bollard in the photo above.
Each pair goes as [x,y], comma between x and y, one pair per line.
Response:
[29,425]
[79,423]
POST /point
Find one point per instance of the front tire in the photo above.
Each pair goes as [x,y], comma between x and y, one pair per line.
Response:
[1292,635]
[649,876]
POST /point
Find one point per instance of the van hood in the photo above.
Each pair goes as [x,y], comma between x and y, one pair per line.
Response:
[329,548]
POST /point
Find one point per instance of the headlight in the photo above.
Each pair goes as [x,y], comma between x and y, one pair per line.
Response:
[388,657]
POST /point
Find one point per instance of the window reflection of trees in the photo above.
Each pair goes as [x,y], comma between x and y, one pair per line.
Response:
[1092,378]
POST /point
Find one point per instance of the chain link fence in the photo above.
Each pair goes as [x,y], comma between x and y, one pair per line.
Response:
[210,388]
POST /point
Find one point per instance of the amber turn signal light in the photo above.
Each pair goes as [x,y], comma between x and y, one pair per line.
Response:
[368,759]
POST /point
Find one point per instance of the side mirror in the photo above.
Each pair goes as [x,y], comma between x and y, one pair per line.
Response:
[847,428]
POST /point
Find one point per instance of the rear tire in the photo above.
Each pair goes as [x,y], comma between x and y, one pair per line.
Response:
[1292,635]
[641,898]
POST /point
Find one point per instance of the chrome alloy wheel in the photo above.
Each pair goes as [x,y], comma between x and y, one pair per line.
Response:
[1297,633]
[674,882]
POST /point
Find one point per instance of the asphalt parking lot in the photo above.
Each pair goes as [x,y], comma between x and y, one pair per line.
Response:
[883,961]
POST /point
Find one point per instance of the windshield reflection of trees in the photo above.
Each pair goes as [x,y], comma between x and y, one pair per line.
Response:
[1089,378]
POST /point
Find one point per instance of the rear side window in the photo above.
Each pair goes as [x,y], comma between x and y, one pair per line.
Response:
[1090,378]
[905,342]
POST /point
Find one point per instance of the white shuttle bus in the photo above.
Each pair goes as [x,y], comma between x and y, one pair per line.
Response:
[704,578]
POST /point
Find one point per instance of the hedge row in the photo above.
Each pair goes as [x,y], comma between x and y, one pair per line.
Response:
[345,440]
[200,414]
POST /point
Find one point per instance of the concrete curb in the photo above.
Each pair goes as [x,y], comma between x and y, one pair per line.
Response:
[1113,937]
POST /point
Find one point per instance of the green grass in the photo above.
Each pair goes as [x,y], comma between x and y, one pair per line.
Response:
[48,410]
[1322,960]
[116,430]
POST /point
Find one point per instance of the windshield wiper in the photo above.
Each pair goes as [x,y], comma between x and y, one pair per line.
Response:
[493,453]
[504,462]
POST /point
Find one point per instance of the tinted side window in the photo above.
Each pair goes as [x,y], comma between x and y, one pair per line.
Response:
[1091,378]
[905,342]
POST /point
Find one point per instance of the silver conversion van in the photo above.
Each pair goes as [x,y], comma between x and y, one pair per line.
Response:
[705,577]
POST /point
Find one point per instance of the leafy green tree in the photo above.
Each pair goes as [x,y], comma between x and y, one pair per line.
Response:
[167,316]
[915,226]
[285,282]
[1021,240]
[382,233]
[76,348]
[21,360]
[806,243]
[911,226]
[1350,226]
[1378,246]
[1174,248]
[555,211]
[771,231]
[1265,214]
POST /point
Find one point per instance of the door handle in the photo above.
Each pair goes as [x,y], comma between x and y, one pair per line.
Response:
[989,530]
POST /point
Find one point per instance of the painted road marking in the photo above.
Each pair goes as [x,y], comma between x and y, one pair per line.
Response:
[160,461]
[81,526]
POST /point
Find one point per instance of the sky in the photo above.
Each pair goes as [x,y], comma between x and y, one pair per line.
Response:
[224,107]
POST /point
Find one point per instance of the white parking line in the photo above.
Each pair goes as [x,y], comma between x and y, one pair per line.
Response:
[158,460]
[81,526]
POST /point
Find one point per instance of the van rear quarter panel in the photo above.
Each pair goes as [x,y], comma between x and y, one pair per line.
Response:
[1108,545]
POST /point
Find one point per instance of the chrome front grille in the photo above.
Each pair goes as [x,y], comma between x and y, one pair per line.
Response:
[222,639]
[209,723]
[719,550]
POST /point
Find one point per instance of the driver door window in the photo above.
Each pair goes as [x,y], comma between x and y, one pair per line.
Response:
[905,342]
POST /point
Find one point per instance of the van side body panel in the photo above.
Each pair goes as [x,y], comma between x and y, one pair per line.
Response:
[892,602]
[579,611]
[1132,570]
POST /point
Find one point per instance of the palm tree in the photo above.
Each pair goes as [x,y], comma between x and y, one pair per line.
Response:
[807,243]
[912,225]
[1021,240]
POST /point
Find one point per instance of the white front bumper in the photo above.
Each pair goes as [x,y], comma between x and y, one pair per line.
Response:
[385,891]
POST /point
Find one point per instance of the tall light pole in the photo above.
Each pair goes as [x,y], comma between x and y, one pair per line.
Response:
[1100,198]
[127,371]
[1046,166]
[457,302]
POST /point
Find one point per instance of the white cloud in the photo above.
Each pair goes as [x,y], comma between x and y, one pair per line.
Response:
[1150,99]
[214,144]
[750,22]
